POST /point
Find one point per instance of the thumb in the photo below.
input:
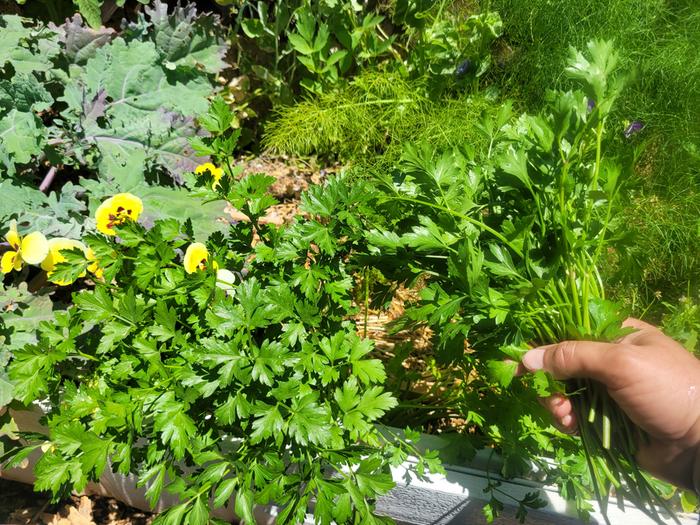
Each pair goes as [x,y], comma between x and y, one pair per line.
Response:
[572,359]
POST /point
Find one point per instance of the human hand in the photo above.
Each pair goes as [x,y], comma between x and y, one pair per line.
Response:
[652,378]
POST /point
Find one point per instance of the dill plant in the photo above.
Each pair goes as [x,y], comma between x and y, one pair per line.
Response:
[429,89]
[368,121]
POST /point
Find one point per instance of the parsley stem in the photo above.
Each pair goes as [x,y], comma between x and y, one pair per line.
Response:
[366,288]
[87,356]
[574,295]
[606,431]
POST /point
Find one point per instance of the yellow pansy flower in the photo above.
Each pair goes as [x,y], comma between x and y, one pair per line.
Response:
[94,266]
[196,257]
[116,210]
[54,257]
[217,173]
[32,249]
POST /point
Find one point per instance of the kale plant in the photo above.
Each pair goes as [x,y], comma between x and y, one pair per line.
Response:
[120,106]
[93,11]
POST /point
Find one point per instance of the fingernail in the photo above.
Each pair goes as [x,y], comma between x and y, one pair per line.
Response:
[534,359]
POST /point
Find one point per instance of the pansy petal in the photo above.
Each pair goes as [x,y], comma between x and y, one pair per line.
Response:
[194,255]
[94,266]
[48,264]
[95,270]
[203,168]
[55,246]
[216,172]
[225,279]
[7,263]
[102,219]
[35,248]
[131,203]
[12,236]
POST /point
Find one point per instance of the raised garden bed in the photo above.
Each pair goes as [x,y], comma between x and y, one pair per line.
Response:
[456,498]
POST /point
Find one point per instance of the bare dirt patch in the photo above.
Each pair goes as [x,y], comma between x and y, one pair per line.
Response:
[20,505]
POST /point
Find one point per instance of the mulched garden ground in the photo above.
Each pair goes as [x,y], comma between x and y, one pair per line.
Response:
[20,505]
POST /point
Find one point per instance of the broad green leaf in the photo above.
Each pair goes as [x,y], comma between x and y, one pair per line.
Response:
[94,454]
[52,472]
[80,43]
[492,510]
[502,372]
[199,515]
[154,479]
[133,110]
[91,10]
[268,423]
[22,136]
[514,162]
[20,314]
[28,49]
[55,215]
[309,421]
[369,371]
[300,44]
[175,515]
[6,389]
[269,361]
[689,501]
[27,371]
[17,199]
[187,39]
[375,483]
[176,428]
[97,302]
[24,93]
[244,505]
[224,491]
[503,266]
[387,241]
[362,408]
[429,236]
[594,72]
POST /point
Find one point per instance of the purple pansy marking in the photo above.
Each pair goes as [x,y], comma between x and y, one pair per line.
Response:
[635,127]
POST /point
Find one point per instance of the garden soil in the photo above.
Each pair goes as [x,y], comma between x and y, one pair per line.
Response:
[20,505]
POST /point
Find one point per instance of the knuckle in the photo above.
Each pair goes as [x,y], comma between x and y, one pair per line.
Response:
[564,356]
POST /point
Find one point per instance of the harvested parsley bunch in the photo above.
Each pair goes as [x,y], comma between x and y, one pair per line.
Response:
[510,241]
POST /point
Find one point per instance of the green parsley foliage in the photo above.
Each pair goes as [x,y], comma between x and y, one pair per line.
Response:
[256,392]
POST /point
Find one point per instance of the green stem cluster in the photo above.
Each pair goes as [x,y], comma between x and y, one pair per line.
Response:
[563,311]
